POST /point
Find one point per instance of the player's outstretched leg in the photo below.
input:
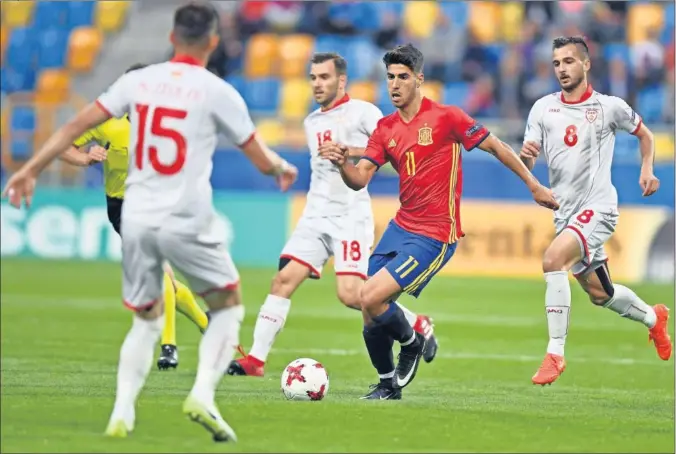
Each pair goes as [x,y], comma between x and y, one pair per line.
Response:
[271,319]
[391,321]
[136,358]
[216,350]
[168,350]
[623,301]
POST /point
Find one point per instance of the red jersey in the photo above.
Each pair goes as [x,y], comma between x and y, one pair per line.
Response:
[426,154]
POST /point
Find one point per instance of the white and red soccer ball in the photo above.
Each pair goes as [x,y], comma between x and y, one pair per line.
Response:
[305,379]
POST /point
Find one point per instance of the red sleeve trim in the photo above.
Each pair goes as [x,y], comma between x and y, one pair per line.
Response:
[248,140]
[640,122]
[103,108]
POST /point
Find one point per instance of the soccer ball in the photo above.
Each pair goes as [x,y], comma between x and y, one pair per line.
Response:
[305,379]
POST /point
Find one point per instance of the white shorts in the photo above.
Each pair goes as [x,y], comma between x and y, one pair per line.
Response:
[348,239]
[203,261]
[592,227]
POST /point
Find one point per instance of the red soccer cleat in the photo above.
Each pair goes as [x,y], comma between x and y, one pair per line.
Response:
[424,326]
[247,365]
[659,334]
[551,368]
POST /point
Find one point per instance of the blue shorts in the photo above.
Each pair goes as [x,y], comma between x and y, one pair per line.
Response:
[410,258]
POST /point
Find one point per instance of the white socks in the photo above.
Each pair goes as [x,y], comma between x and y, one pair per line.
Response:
[217,348]
[626,303]
[411,318]
[136,358]
[271,319]
[557,307]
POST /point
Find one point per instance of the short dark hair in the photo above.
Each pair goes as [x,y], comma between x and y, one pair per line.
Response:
[338,61]
[135,66]
[407,55]
[578,41]
[195,22]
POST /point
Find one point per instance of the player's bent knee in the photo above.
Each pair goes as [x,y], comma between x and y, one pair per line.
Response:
[553,262]
[223,298]
[350,298]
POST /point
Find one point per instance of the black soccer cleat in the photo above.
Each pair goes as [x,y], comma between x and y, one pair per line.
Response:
[431,348]
[382,391]
[409,360]
[168,357]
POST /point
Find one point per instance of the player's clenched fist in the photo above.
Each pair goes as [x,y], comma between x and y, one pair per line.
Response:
[20,186]
[530,150]
[334,152]
[286,175]
[649,183]
[545,197]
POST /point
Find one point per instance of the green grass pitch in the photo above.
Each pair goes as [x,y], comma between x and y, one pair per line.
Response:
[63,324]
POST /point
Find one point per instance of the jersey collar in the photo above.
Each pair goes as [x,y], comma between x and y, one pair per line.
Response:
[187,59]
[585,96]
[340,102]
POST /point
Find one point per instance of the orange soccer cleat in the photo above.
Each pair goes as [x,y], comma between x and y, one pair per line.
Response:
[659,334]
[550,369]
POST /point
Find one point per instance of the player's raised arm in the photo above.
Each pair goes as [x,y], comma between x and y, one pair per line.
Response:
[626,119]
[532,140]
[232,115]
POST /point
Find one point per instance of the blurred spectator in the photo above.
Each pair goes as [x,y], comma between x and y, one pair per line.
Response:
[476,59]
[443,49]
[617,79]
[481,100]
[669,114]
[508,89]
[541,83]
[387,36]
[283,15]
[605,25]
[647,60]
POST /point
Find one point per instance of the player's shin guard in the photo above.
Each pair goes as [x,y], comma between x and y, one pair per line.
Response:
[394,324]
[136,358]
[379,346]
[217,348]
[557,306]
[271,319]
[626,303]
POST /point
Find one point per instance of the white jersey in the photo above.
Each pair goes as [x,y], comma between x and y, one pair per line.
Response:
[350,122]
[578,141]
[176,110]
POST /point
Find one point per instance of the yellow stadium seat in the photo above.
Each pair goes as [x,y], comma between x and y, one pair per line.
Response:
[433,90]
[272,131]
[484,20]
[664,147]
[294,54]
[53,86]
[296,97]
[83,47]
[420,18]
[364,90]
[511,21]
[16,13]
[642,18]
[110,15]
[261,56]
[4,39]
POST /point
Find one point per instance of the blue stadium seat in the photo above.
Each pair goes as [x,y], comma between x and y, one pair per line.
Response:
[626,148]
[22,119]
[21,147]
[457,12]
[456,94]
[330,43]
[361,55]
[14,80]
[650,102]
[21,49]
[50,14]
[237,82]
[262,96]
[52,48]
[80,13]
[365,17]
[382,7]
[616,51]
[383,100]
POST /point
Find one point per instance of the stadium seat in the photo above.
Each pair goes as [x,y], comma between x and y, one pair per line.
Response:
[641,18]
[382,8]
[50,15]
[21,146]
[20,49]
[83,48]
[330,43]
[456,94]
[22,118]
[17,81]
[80,14]
[16,13]
[650,110]
[364,90]
[664,147]
[361,55]
[296,99]
[614,51]
[271,130]
[511,21]
[457,12]
[4,39]
[53,86]
[110,15]
[262,96]
[294,54]
[383,99]
[433,90]
[485,20]
[22,124]
[262,53]
[52,44]
[420,18]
